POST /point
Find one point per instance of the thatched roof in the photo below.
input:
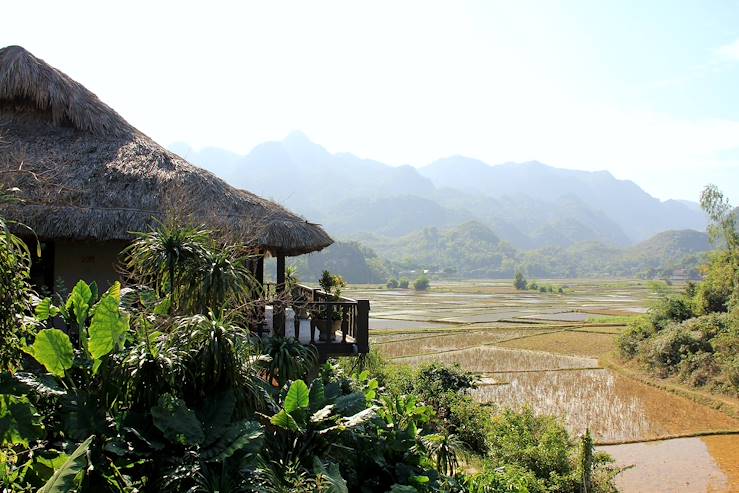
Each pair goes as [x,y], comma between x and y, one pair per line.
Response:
[86,173]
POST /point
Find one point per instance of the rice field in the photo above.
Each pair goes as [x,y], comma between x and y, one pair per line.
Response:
[541,350]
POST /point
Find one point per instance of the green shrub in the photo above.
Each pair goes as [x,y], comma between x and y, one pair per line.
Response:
[539,444]
[421,284]
[670,308]
[403,283]
[664,351]
[629,340]
[392,283]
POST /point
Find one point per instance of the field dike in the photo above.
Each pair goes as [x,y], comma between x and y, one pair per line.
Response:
[726,405]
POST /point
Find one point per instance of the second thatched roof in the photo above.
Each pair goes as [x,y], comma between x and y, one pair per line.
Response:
[86,173]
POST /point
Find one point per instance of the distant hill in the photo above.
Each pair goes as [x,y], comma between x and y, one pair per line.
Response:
[529,205]
[637,213]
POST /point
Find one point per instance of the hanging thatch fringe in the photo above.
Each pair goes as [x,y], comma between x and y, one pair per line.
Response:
[85,173]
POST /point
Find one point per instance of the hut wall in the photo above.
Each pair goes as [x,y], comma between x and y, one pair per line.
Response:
[87,260]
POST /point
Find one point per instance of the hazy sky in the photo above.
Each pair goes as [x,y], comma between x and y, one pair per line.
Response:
[646,89]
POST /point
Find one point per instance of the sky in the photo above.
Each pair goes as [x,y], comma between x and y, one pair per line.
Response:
[645,89]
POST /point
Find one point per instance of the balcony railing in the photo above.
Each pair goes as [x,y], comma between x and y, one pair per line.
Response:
[335,326]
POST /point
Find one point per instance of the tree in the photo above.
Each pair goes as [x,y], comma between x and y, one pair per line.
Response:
[723,230]
[519,282]
[392,283]
[421,284]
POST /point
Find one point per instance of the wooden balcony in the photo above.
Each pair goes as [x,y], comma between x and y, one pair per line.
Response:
[336,327]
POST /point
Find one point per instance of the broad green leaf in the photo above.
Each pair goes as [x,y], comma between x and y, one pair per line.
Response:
[109,324]
[79,301]
[322,414]
[20,423]
[176,421]
[46,310]
[317,394]
[297,397]
[163,307]
[336,483]
[242,435]
[216,416]
[349,404]
[284,420]
[64,478]
[53,349]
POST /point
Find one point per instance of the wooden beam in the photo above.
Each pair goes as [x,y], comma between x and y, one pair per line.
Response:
[279,309]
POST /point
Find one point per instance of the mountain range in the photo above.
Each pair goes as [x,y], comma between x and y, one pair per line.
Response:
[528,205]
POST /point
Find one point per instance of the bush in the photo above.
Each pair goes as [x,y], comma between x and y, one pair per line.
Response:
[664,351]
[392,283]
[629,340]
[421,284]
[670,308]
[403,283]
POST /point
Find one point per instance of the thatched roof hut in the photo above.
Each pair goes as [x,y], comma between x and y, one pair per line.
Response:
[87,174]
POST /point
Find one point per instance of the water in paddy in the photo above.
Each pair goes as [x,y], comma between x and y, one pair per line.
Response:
[555,380]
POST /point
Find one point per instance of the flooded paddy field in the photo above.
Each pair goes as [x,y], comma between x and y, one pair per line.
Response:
[541,350]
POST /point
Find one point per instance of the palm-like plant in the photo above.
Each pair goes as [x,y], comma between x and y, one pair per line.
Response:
[288,359]
[157,258]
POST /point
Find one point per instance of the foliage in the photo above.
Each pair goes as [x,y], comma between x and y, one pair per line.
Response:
[288,359]
[519,282]
[331,284]
[15,296]
[694,335]
[392,283]
[403,283]
[421,283]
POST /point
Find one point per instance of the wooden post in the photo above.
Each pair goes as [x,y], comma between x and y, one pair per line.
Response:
[259,275]
[278,320]
[363,308]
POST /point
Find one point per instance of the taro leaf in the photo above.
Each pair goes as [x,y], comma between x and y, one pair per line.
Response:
[46,310]
[297,397]
[242,435]
[64,478]
[53,349]
[216,416]
[349,404]
[176,421]
[20,423]
[360,418]
[108,325]
[41,385]
[44,467]
[336,484]
[285,421]
[79,301]
[322,414]
[317,395]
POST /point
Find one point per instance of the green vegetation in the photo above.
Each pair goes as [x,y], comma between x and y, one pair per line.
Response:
[514,451]
[161,386]
[421,283]
[403,283]
[473,250]
[694,335]
[519,282]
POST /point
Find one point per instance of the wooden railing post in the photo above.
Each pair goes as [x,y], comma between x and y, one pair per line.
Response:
[363,308]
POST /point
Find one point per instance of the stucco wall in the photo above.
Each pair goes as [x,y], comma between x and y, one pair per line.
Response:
[87,260]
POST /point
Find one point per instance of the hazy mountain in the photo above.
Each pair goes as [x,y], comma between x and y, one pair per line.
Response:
[529,205]
[637,213]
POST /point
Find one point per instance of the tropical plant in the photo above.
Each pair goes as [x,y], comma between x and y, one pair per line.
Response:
[288,359]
